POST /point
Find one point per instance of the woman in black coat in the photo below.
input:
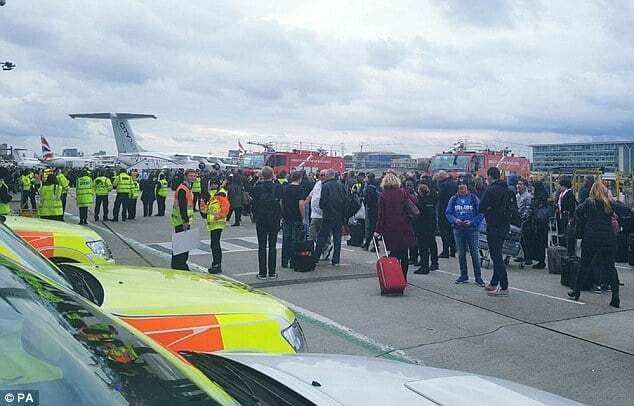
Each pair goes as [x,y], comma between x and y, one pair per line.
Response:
[425,229]
[598,244]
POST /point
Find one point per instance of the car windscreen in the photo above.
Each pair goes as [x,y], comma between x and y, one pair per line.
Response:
[252,161]
[51,341]
[29,257]
[245,384]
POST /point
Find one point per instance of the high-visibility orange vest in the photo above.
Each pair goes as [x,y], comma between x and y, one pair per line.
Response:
[176,214]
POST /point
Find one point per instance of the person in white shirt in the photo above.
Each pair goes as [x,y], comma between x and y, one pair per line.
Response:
[316,214]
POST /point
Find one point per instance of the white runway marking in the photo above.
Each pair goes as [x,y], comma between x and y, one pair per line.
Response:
[526,291]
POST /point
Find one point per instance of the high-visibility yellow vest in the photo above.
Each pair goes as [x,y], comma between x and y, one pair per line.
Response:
[25,182]
[213,207]
[177,220]
[63,182]
[102,185]
[196,187]
[162,188]
[50,201]
[135,190]
[123,183]
[84,191]
[4,207]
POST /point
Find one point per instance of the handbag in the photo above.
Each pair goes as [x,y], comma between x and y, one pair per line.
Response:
[542,215]
[360,214]
[411,210]
[616,227]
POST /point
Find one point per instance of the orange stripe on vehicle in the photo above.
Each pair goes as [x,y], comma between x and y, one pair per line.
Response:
[40,240]
[199,333]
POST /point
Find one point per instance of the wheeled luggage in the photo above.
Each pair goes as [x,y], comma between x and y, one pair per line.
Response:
[555,253]
[303,252]
[357,231]
[388,269]
[569,270]
[622,247]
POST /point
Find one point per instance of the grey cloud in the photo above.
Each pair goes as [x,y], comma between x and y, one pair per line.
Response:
[489,13]
[217,65]
[386,54]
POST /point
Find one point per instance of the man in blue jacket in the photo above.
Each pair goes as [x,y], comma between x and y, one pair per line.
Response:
[464,215]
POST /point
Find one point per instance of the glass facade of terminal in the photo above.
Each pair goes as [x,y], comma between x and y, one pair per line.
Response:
[609,156]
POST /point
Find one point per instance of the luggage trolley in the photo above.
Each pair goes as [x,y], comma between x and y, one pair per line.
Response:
[510,249]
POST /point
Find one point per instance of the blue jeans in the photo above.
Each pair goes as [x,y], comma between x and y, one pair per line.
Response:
[495,238]
[464,238]
[290,233]
[329,227]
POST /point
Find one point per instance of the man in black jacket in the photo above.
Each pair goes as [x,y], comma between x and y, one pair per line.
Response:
[371,201]
[267,213]
[447,188]
[566,207]
[493,205]
[332,203]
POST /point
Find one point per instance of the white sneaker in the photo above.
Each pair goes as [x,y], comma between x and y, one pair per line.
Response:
[499,292]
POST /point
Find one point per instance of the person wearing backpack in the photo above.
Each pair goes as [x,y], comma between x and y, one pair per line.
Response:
[333,204]
[499,207]
[267,212]
[215,211]
[293,214]
[464,216]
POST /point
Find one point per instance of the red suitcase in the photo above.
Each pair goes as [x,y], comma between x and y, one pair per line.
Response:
[391,278]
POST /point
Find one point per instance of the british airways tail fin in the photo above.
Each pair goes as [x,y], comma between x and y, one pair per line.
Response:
[47,152]
[123,135]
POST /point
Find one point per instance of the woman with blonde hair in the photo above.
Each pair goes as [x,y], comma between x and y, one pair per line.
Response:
[598,244]
[393,222]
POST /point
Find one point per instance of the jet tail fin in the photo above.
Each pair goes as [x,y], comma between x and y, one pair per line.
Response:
[123,135]
[47,152]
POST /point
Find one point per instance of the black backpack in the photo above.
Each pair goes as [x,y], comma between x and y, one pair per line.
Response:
[268,204]
[510,211]
[352,205]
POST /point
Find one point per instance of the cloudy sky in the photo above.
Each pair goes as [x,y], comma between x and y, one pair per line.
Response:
[409,76]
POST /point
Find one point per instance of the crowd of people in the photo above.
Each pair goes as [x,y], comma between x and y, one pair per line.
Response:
[405,211]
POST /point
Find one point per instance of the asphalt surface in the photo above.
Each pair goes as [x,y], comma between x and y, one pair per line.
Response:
[581,350]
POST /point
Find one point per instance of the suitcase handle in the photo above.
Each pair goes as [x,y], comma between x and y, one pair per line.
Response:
[376,248]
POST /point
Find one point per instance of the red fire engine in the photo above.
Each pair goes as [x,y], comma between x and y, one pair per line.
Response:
[460,161]
[310,161]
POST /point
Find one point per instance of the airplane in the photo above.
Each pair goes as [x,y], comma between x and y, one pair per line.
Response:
[24,162]
[63,161]
[132,155]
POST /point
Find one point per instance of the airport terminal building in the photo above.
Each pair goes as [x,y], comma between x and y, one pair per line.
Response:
[611,156]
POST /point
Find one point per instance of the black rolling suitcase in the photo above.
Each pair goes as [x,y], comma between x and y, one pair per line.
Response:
[622,250]
[569,271]
[630,250]
[555,253]
[357,232]
[303,252]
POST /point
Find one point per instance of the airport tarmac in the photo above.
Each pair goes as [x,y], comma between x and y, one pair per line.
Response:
[581,350]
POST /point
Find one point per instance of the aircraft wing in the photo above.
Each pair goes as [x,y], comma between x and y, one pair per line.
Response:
[120,116]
